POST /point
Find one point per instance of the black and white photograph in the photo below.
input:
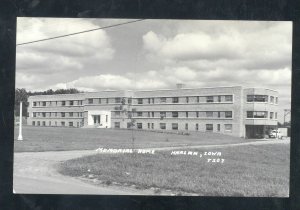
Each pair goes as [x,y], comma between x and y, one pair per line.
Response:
[152,107]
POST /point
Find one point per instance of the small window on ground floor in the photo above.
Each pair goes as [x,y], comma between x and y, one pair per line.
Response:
[228,127]
[209,127]
[148,125]
[162,126]
[174,126]
[70,124]
[33,123]
[139,125]
[44,123]
[63,123]
[152,125]
[218,127]
[186,126]
[117,124]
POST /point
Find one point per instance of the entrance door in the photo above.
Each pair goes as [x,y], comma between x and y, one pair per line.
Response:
[97,120]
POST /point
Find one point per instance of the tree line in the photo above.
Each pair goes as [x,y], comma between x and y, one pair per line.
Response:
[21,95]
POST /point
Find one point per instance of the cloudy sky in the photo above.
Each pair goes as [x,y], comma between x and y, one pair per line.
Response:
[154,54]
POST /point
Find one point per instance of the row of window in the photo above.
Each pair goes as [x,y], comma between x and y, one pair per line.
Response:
[261,114]
[174,126]
[61,123]
[190,99]
[58,103]
[262,98]
[57,114]
[216,114]
[187,99]
[119,100]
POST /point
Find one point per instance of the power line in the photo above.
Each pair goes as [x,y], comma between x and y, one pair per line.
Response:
[80,32]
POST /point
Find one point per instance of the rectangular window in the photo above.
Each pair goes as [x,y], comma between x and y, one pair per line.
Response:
[129,100]
[62,114]
[148,114]
[152,125]
[209,127]
[38,123]
[257,98]
[162,115]
[139,114]
[187,99]
[271,115]
[118,100]
[33,123]
[209,114]
[44,123]
[218,127]
[198,99]
[117,113]
[106,118]
[106,100]
[70,124]
[228,127]
[197,114]
[257,114]
[186,114]
[163,100]
[90,101]
[209,99]
[34,114]
[162,126]
[219,114]
[70,114]
[228,98]
[139,125]
[49,123]
[152,100]
[148,125]
[272,99]
[44,103]
[34,103]
[63,103]
[71,103]
[117,124]
[152,114]
[219,99]
[174,126]
[140,101]
[228,114]
[149,100]
[175,100]
[44,114]
[62,123]
[276,100]
[186,126]
[197,127]
[174,114]
[276,115]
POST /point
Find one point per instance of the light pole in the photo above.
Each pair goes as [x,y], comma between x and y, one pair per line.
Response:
[20,138]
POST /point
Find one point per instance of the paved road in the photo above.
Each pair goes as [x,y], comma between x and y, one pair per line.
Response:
[35,173]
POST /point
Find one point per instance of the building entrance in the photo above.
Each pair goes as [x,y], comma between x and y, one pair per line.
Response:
[97,120]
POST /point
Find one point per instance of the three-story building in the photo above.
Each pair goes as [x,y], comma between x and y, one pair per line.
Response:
[237,111]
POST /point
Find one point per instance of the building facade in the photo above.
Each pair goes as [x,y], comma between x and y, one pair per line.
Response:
[237,111]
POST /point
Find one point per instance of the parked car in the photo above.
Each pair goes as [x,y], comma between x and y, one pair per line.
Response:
[275,134]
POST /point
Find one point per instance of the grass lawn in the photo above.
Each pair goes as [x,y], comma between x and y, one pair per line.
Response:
[37,139]
[247,171]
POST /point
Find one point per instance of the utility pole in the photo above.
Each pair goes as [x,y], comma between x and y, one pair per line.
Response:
[20,138]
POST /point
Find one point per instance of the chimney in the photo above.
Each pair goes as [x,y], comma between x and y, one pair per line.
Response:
[180,85]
